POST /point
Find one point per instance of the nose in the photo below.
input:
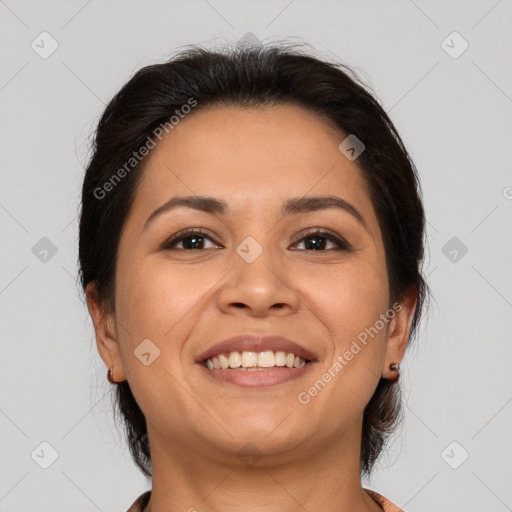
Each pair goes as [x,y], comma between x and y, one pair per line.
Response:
[260,288]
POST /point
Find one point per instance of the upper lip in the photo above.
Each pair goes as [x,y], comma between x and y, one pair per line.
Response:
[256,343]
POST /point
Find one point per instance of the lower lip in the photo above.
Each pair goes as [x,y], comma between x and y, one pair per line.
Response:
[260,378]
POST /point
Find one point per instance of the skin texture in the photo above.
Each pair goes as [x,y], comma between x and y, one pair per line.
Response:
[186,301]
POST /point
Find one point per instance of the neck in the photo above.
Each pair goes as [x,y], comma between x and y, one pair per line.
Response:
[188,478]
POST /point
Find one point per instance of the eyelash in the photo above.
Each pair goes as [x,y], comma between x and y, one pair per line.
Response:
[311,233]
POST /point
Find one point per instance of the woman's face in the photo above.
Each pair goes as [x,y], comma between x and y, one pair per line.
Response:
[253,270]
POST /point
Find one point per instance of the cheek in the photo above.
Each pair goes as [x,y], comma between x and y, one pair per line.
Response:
[161,302]
[349,299]
[350,302]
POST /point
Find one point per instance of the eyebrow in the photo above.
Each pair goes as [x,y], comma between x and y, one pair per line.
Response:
[291,206]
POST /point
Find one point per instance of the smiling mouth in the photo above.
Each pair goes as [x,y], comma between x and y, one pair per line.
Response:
[254,361]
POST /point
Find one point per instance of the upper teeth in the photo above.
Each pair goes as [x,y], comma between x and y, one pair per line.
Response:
[246,359]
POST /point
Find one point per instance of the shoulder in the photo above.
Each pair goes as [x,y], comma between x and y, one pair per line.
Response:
[385,504]
[139,504]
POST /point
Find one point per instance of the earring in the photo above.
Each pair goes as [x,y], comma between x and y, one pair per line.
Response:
[110,376]
[395,368]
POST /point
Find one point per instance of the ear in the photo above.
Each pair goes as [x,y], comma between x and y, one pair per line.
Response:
[106,334]
[398,332]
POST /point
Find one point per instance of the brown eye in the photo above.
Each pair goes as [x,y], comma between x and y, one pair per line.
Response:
[192,239]
[319,238]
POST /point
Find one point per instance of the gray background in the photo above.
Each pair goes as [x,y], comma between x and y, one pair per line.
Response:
[454,115]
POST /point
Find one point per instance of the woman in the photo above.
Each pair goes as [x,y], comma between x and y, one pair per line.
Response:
[251,241]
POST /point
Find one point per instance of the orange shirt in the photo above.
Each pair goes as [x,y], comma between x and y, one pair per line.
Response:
[386,505]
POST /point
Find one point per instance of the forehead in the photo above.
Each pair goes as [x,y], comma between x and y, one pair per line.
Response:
[249,155]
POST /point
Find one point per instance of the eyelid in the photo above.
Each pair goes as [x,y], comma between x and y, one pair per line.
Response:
[330,235]
[326,233]
[177,237]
